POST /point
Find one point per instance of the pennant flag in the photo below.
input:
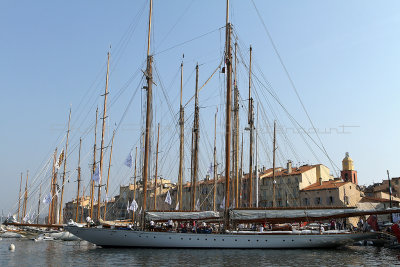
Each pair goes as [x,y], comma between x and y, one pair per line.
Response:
[128,161]
[60,160]
[168,199]
[197,204]
[127,206]
[177,206]
[222,206]
[26,218]
[47,199]
[96,175]
[133,206]
[210,170]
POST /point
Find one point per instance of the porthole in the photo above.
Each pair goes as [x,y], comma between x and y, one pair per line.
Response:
[190,238]
[198,238]
[170,238]
[235,239]
[181,238]
[223,239]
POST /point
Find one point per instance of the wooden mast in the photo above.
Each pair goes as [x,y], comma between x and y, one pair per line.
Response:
[19,197]
[257,159]
[236,135]
[149,78]
[196,136]
[79,181]
[134,188]
[155,175]
[38,209]
[65,167]
[215,162]
[228,61]
[251,127]
[273,168]
[103,128]
[49,218]
[94,165]
[241,172]
[26,193]
[181,146]
[108,176]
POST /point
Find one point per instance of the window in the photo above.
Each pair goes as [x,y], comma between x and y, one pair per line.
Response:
[346,200]
[317,201]
[280,203]
[306,202]
[330,200]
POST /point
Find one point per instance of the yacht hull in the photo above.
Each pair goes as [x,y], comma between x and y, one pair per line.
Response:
[106,237]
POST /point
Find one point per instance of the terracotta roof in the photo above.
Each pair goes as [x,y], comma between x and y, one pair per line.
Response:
[295,171]
[376,199]
[332,184]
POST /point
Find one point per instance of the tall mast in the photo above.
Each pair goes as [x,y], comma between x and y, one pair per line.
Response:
[215,162]
[273,167]
[26,193]
[241,171]
[49,218]
[155,175]
[103,128]
[79,181]
[181,146]
[134,188]
[94,165]
[236,134]
[228,60]
[251,127]
[19,197]
[65,167]
[38,208]
[108,175]
[257,160]
[196,136]
[149,78]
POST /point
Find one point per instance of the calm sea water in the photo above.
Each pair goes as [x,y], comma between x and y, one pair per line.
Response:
[58,253]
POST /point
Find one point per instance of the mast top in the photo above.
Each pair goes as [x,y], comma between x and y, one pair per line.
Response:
[148,37]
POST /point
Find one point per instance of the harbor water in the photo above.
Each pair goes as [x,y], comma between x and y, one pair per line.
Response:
[60,253]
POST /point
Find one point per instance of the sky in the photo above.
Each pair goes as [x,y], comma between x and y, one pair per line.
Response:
[342,57]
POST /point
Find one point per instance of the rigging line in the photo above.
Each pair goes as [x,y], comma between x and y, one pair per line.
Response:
[188,41]
[204,83]
[289,115]
[176,23]
[274,95]
[292,83]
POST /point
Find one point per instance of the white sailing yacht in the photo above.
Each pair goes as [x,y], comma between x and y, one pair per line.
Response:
[126,237]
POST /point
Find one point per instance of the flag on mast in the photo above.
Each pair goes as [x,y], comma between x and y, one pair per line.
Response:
[47,199]
[177,206]
[222,206]
[128,161]
[168,199]
[133,205]
[96,175]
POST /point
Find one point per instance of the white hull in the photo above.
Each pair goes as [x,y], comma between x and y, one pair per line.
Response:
[128,238]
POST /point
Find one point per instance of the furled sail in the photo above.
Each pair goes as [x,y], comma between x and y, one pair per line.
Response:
[289,215]
[179,215]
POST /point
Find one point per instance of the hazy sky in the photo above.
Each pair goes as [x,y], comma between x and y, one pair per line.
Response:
[343,57]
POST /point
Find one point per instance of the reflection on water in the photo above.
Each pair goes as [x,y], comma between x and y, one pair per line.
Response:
[58,253]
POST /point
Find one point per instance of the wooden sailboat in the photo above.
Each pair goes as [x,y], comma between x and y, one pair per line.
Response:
[226,238]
